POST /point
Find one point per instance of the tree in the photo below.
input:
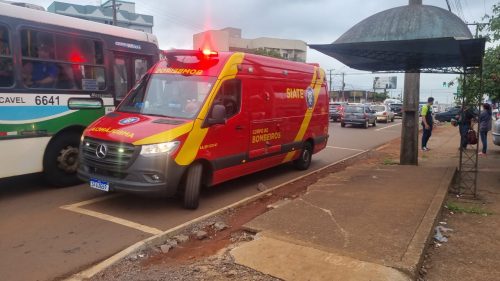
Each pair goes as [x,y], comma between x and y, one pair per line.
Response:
[268,53]
[379,97]
[491,63]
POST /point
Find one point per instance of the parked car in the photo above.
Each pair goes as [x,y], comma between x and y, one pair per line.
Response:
[397,108]
[336,110]
[447,115]
[496,132]
[383,113]
[358,115]
[496,114]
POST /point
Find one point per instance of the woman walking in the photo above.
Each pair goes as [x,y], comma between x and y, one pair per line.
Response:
[485,126]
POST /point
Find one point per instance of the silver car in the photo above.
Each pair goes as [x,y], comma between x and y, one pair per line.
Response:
[383,113]
[496,132]
[358,115]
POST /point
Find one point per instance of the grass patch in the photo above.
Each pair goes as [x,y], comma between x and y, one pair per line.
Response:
[458,208]
[388,161]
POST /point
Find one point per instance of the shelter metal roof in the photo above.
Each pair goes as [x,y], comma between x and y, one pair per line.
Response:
[411,38]
[407,55]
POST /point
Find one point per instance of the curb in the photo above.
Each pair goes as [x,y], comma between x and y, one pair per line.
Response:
[413,257]
[164,236]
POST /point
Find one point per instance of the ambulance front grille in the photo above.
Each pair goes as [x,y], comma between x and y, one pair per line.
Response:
[108,155]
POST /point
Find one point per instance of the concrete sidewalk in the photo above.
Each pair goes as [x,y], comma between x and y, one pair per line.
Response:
[369,222]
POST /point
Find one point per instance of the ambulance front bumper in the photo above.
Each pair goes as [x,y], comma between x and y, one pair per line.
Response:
[146,174]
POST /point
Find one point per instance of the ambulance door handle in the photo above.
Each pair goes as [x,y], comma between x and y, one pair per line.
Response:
[238,127]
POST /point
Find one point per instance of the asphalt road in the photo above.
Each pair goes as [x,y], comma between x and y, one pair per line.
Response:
[40,239]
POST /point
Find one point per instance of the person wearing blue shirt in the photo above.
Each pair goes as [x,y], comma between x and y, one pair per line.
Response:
[43,74]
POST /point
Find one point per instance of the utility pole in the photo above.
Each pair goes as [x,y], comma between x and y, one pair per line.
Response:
[409,132]
[343,86]
[114,12]
[330,84]
[477,24]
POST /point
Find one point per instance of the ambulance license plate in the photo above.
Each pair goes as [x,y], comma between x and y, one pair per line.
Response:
[99,184]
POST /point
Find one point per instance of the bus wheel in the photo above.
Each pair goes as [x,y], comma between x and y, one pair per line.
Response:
[61,160]
[304,160]
[192,185]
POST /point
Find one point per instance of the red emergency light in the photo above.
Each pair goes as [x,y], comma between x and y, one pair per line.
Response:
[210,53]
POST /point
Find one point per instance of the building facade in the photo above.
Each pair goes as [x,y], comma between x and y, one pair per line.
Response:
[125,15]
[229,39]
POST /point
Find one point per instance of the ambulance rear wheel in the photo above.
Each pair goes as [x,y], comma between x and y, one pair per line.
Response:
[304,160]
[192,185]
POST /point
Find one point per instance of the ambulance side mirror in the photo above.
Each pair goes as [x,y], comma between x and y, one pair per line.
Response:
[218,115]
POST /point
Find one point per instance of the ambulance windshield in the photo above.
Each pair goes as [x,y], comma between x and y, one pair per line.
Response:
[168,95]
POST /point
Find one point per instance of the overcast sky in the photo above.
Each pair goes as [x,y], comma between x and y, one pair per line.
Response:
[313,21]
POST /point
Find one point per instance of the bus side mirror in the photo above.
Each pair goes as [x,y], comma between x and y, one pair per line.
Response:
[218,115]
[85,103]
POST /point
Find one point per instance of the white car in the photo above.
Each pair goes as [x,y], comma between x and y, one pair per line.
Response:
[383,113]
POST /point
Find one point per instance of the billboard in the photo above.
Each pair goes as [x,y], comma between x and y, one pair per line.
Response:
[389,82]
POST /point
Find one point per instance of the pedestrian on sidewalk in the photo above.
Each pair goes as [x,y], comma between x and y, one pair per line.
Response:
[427,122]
[465,124]
[485,126]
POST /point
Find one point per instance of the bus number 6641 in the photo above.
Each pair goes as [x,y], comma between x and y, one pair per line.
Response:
[46,100]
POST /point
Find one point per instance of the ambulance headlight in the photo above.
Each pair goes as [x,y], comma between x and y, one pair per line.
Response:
[157,148]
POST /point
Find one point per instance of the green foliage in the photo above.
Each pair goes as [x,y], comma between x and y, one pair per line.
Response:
[491,63]
[380,97]
[268,53]
[459,208]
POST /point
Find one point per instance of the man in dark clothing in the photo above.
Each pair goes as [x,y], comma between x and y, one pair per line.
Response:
[427,122]
[485,125]
[465,124]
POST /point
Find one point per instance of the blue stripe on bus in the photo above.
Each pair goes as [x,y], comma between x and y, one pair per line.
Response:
[18,113]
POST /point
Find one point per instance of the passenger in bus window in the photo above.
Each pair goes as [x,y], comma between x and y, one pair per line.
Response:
[4,42]
[41,74]
[66,78]
[6,74]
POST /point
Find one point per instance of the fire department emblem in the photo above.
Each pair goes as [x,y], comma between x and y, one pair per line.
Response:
[127,121]
[310,97]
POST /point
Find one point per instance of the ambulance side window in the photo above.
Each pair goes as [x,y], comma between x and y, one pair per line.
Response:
[229,95]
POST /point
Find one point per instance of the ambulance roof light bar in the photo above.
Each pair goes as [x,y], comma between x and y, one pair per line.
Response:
[210,53]
[206,53]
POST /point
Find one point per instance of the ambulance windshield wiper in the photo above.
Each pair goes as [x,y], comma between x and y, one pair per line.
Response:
[162,115]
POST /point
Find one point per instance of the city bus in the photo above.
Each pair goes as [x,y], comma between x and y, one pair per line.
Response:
[47,60]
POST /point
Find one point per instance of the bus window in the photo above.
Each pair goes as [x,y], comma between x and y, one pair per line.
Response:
[71,63]
[6,68]
[120,78]
[141,67]
[32,41]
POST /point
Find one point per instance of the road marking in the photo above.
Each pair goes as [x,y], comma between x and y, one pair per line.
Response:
[77,209]
[388,127]
[345,148]
[91,201]
[117,220]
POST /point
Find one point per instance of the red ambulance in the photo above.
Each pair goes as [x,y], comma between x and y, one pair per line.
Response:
[199,118]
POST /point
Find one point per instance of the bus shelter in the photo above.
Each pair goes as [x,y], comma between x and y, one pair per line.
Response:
[416,39]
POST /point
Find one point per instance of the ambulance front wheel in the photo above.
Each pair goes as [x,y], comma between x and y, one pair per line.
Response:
[192,185]
[304,160]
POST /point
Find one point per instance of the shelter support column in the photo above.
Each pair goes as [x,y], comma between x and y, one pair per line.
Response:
[409,132]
